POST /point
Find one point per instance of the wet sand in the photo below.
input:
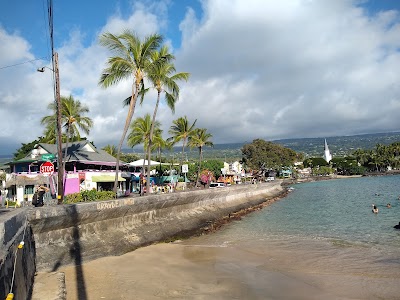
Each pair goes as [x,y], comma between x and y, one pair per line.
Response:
[174,271]
[192,271]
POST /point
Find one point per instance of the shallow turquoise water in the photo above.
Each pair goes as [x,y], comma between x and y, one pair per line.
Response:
[335,209]
[323,234]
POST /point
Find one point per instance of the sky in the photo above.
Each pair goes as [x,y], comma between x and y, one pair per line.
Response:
[269,69]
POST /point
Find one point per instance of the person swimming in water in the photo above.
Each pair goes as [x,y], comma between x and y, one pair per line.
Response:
[388,205]
[397,226]
[374,209]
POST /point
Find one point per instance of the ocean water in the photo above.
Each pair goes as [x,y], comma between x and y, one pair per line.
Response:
[322,241]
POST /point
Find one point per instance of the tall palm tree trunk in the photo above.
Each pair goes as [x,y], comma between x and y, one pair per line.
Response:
[151,141]
[183,155]
[199,169]
[132,104]
[142,176]
[159,155]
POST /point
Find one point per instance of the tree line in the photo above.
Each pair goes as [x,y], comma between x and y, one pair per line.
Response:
[378,160]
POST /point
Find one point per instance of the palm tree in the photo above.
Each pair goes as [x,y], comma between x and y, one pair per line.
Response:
[140,133]
[181,130]
[131,60]
[158,144]
[361,156]
[163,78]
[72,118]
[199,139]
[110,149]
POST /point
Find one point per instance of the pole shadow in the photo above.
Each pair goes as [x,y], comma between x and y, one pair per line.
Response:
[75,253]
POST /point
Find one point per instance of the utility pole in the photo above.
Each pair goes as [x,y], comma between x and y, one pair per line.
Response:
[60,166]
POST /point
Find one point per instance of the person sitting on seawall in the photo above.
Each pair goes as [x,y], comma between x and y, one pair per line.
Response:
[374,209]
[397,226]
[41,190]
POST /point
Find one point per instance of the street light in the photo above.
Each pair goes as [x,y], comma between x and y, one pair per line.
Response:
[60,167]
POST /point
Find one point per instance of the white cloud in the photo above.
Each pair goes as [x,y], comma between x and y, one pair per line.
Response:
[333,55]
[259,69]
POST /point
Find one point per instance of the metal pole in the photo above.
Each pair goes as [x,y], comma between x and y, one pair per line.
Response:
[60,168]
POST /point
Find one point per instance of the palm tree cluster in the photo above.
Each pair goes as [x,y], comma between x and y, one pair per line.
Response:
[381,158]
[144,61]
[180,131]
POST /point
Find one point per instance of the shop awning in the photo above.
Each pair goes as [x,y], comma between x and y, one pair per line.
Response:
[106,178]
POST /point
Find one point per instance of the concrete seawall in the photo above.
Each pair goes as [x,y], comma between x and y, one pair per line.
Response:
[73,234]
[17,265]
[70,234]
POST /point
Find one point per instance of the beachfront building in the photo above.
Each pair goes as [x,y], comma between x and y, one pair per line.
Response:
[285,173]
[232,172]
[305,172]
[86,168]
[327,154]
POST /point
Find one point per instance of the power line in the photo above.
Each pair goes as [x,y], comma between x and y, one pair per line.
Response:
[50,23]
[25,62]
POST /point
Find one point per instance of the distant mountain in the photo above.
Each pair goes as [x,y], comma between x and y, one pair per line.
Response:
[5,159]
[311,147]
[340,145]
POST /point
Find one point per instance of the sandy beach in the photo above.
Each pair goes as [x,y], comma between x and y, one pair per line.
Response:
[190,271]
[175,271]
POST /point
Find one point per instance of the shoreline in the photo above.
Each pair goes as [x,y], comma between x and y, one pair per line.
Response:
[237,216]
[171,269]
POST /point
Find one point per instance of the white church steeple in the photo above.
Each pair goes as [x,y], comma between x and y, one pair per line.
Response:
[327,154]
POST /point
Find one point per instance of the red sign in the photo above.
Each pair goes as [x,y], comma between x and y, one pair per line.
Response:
[47,168]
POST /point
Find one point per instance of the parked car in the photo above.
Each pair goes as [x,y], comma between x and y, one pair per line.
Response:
[270,178]
[216,185]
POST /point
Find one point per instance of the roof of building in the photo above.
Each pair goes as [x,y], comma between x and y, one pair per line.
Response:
[82,151]
[27,180]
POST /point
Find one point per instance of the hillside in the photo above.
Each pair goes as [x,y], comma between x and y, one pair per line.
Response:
[338,146]
[311,147]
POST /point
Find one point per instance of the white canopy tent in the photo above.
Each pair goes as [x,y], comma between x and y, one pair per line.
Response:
[139,163]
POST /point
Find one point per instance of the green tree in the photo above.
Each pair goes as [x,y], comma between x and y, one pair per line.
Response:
[199,139]
[72,118]
[261,154]
[347,166]
[313,162]
[131,60]
[158,145]
[129,157]
[162,75]
[26,148]
[110,149]
[214,166]
[181,130]
[140,133]
[361,156]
